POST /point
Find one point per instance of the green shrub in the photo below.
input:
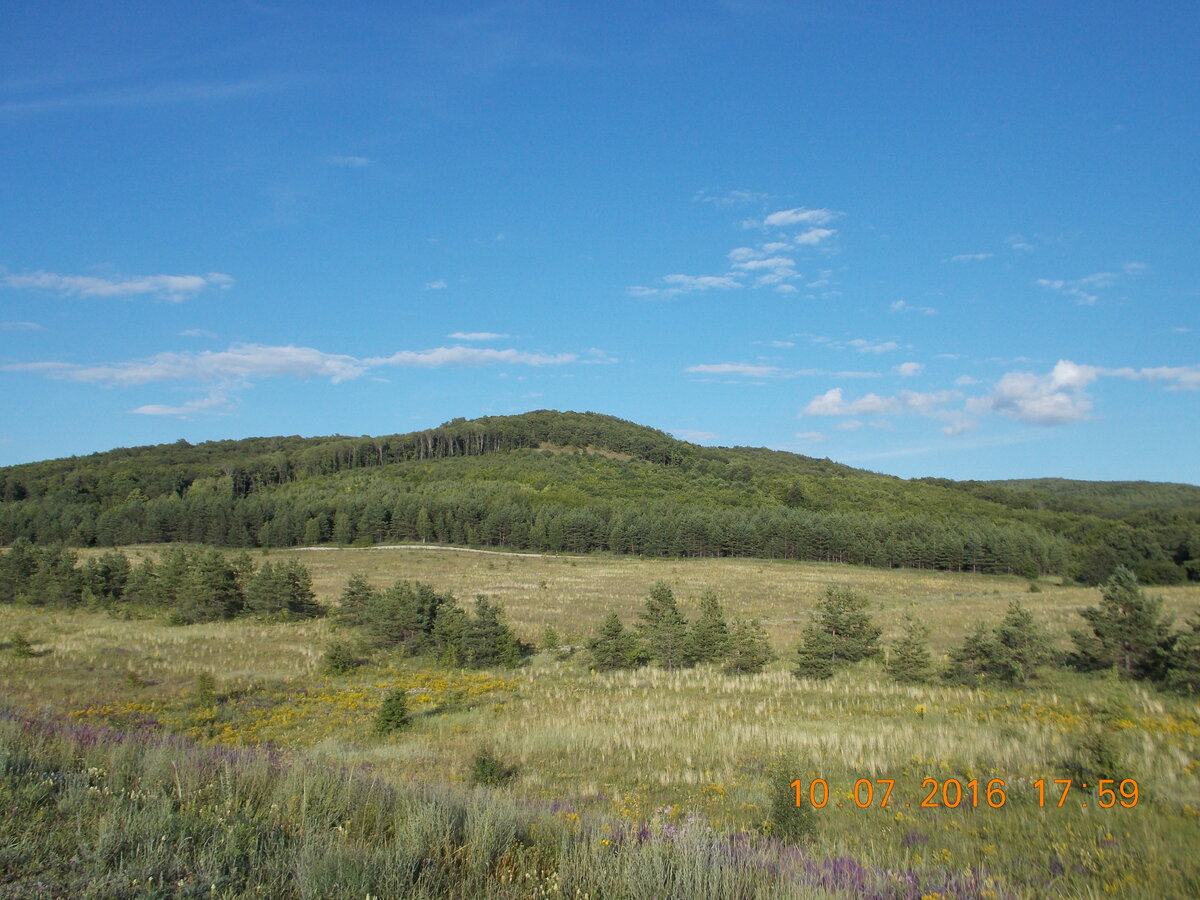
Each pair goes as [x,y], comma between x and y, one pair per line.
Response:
[487,769]
[393,715]
[20,646]
[339,658]
[786,821]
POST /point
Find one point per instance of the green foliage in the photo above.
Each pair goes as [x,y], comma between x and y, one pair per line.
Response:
[909,660]
[489,770]
[1128,631]
[816,655]
[709,639]
[1183,667]
[357,597]
[1010,653]
[487,640]
[340,658]
[550,641]
[208,591]
[393,714]
[204,695]
[787,821]
[20,646]
[748,649]
[614,647]
[663,629]
[841,632]
[282,589]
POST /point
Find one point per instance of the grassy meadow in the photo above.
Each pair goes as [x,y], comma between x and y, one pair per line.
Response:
[599,757]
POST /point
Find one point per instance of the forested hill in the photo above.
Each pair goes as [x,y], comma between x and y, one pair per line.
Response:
[565,481]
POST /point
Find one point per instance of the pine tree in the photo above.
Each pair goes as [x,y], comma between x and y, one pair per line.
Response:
[842,613]
[910,661]
[1023,645]
[663,629]
[393,714]
[816,654]
[841,632]
[969,662]
[709,639]
[749,650]
[613,647]
[1183,669]
[357,598]
[487,640]
[1128,631]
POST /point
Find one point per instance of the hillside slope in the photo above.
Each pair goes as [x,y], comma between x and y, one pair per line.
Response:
[552,480]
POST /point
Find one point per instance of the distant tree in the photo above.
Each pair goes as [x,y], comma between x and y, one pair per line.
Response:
[816,657]
[910,661]
[357,597]
[969,661]
[663,629]
[393,715]
[1183,668]
[1127,631]
[209,591]
[550,640]
[748,648]
[487,640]
[841,632]
[709,638]
[614,647]
[448,638]
[1008,653]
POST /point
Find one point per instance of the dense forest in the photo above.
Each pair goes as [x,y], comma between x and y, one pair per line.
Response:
[581,482]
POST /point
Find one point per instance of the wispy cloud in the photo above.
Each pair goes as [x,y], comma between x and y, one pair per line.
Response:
[930,405]
[217,401]
[731,198]
[909,369]
[348,162]
[242,362]
[1084,290]
[770,264]
[174,288]
[901,306]
[437,285]
[787,218]
[142,95]
[970,257]
[687,284]
[197,333]
[478,336]
[21,326]
[469,356]
[747,369]
[862,345]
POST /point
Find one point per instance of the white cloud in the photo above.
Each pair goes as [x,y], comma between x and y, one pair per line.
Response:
[849,425]
[901,306]
[688,434]
[970,257]
[965,380]
[1056,398]
[832,403]
[687,284]
[1082,290]
[746,369]
[811,437]
[813,236]
[797,216]
[349,162]
[731,198]
[238,362]
[1181,378]
[437,285]
[215,402]
[21,326]
[197,333]
[864,346]
[469,356]
[909,369]
[174,288]
[477,336]
[597,357]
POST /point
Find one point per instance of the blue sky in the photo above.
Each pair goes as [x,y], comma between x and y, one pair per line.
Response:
[926,239]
